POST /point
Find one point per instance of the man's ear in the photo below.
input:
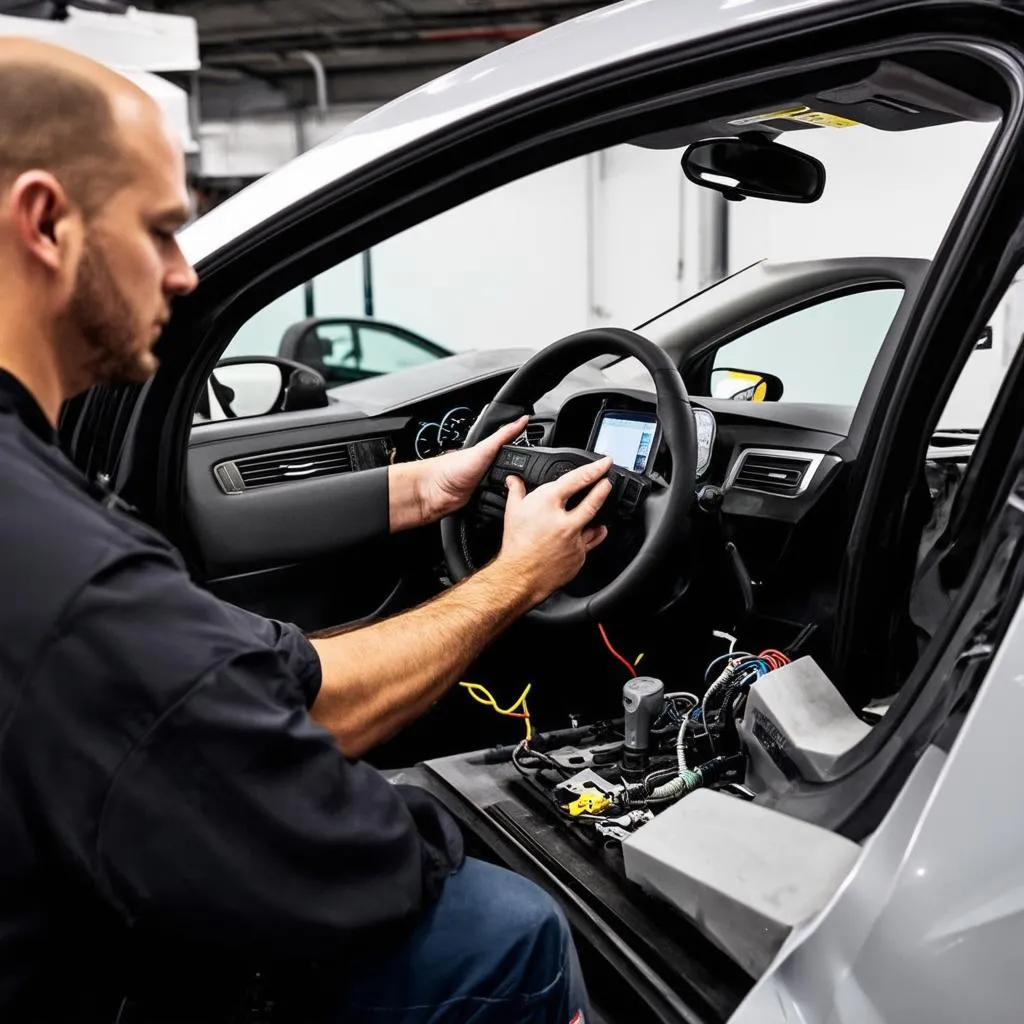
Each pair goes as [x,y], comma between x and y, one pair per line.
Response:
[44,221]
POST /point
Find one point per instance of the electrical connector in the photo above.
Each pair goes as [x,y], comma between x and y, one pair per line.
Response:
[588,803]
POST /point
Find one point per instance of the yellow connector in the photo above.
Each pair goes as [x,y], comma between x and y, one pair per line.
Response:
[589,803]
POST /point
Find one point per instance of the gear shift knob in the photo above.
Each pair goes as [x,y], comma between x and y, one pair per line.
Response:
[643,698]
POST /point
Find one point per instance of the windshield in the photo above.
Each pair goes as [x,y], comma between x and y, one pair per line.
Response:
[616,236]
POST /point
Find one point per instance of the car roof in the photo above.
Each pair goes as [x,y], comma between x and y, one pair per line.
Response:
[604,37]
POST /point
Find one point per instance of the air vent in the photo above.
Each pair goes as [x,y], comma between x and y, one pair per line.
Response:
[782,473]
[532,436]
[305,463]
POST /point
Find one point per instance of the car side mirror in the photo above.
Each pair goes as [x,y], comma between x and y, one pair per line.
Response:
[260,385]
[745,385]
[754,166]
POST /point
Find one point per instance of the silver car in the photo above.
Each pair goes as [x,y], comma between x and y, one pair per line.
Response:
[832,845]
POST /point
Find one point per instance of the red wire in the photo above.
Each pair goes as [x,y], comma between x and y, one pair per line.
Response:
[776,659]
[615,653]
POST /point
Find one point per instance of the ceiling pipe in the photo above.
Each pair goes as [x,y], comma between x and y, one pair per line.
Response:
[321,79]
[282,39]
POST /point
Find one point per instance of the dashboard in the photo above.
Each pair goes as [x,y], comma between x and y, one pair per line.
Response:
[772,461]
[448,431]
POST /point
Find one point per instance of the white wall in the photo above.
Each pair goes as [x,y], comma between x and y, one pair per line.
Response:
[506,269]
[887,194]
[639,234]
[253,146]
[597,240]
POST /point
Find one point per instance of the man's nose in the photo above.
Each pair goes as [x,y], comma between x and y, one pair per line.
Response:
[181,277]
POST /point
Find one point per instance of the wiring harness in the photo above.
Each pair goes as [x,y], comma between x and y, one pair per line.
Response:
[698,723]
[705,717]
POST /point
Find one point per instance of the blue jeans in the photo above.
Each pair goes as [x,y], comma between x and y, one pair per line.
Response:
[494,948]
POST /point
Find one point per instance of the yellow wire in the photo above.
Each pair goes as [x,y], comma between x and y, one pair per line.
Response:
[639,657]
[488,701]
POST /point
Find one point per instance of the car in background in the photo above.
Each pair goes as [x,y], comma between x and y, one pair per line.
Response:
[347,349]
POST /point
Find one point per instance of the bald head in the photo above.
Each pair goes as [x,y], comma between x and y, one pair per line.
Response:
[66,114]
[92,193]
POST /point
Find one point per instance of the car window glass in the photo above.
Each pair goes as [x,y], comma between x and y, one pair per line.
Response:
[821,353]
[261,334]
[383,351]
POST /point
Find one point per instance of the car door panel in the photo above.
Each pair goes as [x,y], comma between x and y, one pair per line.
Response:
[283,517]
[346,588]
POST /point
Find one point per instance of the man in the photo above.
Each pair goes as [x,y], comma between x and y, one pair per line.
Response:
[180,800]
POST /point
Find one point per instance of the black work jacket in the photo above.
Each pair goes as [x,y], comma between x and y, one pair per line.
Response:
[165,797]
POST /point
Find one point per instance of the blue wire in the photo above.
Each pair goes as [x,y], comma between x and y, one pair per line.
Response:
[722,657]
[762,667]
[752,676]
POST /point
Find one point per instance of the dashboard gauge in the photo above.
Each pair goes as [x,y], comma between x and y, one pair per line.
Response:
[706,428]
[427,444]
[454,427]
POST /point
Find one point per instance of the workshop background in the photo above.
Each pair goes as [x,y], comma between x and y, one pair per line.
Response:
[252,84]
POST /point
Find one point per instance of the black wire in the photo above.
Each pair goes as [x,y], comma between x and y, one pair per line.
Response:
[546,762]
[525,772]
[655,778]
[740,681]
[566,773]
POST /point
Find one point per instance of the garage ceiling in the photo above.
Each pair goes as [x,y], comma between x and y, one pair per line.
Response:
[372,50]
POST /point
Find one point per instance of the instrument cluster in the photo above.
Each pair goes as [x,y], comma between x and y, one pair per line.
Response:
[446,434]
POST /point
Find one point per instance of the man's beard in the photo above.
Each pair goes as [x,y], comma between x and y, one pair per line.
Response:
[101,316]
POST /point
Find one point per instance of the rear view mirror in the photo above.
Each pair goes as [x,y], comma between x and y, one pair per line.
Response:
[745,385]
[755,167]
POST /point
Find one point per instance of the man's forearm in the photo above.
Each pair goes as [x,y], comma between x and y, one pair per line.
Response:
[405,500]
[379,678]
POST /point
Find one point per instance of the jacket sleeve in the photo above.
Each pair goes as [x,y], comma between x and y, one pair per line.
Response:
[230,817]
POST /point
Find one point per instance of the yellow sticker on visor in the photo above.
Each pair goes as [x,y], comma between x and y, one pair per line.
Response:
[816,117]
[825,120]
[758,118]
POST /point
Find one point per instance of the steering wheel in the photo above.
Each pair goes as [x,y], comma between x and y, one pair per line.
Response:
[662,508]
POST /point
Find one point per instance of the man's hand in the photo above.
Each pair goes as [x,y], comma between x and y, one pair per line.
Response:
[378,678]
[543,540]
[447,482]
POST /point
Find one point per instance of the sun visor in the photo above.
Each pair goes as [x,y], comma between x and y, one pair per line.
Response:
[897,98]
[892,98]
